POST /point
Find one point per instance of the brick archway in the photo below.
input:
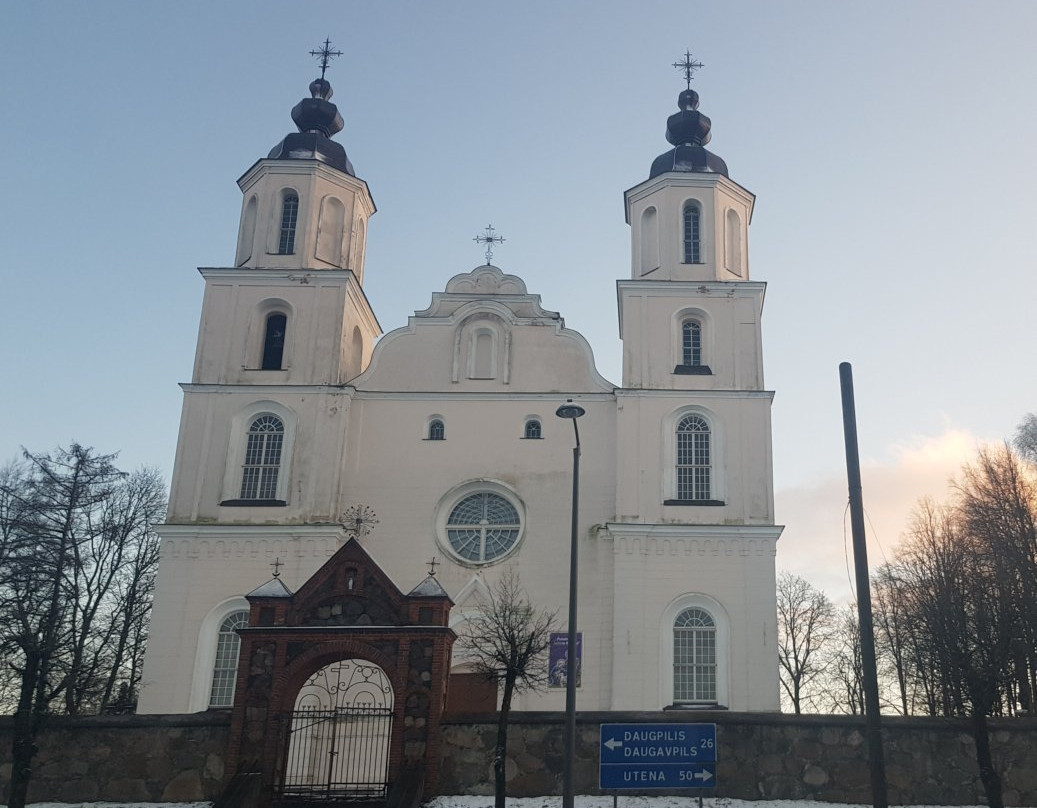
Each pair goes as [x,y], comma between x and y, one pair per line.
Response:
[348,610]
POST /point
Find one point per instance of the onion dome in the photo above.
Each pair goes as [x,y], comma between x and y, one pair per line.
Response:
[688,131]
[317,119]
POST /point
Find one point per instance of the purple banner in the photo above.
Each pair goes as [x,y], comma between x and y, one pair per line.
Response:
[556,658]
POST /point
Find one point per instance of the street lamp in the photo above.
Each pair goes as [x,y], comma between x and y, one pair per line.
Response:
[571,411]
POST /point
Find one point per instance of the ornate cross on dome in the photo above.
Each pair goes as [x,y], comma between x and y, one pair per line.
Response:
[489,239]
[689,66]
[432,566]
[277,567]
[326,54]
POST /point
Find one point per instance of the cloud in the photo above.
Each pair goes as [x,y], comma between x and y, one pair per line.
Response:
[817,544]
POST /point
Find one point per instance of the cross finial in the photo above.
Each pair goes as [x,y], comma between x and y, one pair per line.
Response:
[277,567]
[325,54]
[689,65]
[432,566]
[489,238]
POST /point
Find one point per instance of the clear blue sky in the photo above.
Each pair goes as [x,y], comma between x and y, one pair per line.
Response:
[891,147]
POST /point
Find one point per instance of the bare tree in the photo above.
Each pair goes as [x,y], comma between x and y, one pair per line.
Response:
[805,628]
[1025,440]
[845,674]
[953,577]
[507,641]
[71,524]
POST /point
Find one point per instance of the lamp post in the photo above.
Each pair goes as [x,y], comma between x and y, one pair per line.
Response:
[571,411]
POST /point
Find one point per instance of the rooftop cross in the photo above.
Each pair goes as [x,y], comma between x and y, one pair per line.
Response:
[432,566]
[325,54]
[689,66]
[277,567]
[489,239]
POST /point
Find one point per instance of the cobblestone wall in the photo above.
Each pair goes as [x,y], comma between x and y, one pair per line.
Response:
[133,758]
[763,756]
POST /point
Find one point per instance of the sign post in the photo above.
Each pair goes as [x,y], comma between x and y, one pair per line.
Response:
[657,756]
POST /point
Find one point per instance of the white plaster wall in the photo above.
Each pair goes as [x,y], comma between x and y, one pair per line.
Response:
[733,567]
[667,193]
[650,317]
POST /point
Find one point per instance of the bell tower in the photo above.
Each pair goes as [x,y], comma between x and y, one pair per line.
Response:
[694,471]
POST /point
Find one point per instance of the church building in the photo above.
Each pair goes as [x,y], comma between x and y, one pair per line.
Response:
[305,428]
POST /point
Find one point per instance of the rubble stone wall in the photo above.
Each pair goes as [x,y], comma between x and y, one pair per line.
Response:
[126,758]
[180,758]
[762,756]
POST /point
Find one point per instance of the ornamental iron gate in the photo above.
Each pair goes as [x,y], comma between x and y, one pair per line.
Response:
[337,737]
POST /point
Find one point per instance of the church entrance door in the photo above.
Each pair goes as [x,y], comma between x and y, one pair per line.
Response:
[337,736]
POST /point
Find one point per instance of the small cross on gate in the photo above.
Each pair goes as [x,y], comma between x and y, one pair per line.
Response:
[689,66]
[277,567]
[432,566]
[489,239]
[325,54]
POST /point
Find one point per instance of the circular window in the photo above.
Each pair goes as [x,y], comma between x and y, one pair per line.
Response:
[483,527]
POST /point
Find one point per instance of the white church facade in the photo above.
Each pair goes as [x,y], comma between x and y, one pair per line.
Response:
[303,422]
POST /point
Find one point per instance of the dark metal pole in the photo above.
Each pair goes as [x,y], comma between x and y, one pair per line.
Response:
[876,759]
[568,787]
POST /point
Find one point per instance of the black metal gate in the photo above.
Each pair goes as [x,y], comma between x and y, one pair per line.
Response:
[337,740]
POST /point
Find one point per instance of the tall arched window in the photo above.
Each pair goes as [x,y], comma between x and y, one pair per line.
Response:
[262,458]
[694,459]
[692,234]
[273,341]
[225,669]
[533,429]
[691,343]
[289,218]
[436,430]
[694,657]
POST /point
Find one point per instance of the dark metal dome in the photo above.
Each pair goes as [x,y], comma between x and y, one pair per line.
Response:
[317,119]
[689,131]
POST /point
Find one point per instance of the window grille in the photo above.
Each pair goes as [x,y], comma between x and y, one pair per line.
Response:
[436,430]
[691,354]
[262,458]
[289,218]
[694,657]
[694,469]
[482,527]
[225,670]
[533,429]
[273,342]
[692,240]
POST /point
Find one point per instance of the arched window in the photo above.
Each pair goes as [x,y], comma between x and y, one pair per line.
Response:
[533,429]
[225,669]
[694,461]
[694,657]
[691,343]
[289,218]
[692,234]
[436,430]
[262,458]
[273,341]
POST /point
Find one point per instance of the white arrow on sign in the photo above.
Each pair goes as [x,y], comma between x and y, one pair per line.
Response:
[612,743]
[703,776]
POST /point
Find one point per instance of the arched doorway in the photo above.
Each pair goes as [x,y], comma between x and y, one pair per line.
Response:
[338,734]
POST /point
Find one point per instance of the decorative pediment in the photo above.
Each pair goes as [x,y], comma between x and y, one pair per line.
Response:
[486,280]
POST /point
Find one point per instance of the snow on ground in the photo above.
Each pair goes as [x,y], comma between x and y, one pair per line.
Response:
[524,802]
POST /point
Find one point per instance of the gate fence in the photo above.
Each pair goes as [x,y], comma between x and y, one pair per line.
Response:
[337,754]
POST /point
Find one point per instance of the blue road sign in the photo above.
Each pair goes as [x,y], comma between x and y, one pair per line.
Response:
[647,756]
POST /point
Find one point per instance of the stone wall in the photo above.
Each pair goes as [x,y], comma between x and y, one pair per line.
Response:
[130,758]
[762,756]
[180,758]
